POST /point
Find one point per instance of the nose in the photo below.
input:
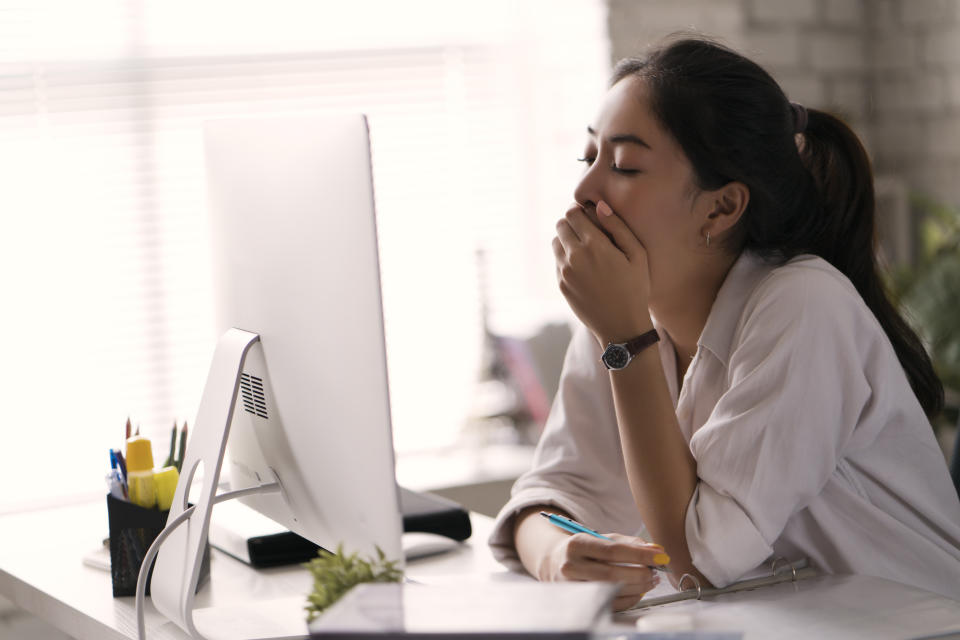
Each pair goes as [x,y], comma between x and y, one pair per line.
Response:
[587,191]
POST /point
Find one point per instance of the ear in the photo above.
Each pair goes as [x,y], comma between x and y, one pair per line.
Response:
[724,207]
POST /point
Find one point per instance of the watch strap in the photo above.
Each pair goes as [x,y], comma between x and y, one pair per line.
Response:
[641,342]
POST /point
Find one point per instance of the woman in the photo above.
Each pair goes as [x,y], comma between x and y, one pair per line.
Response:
[783,410]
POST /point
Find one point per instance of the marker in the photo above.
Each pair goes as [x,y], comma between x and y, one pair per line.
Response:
[573,526]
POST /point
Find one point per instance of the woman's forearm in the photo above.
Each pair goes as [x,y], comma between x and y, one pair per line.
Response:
[535,539]
[660,468]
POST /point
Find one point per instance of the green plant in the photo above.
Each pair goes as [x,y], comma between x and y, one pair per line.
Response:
[930,292]
[336,573]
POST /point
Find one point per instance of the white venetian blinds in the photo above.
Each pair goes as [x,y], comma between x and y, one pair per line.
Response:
[476,113]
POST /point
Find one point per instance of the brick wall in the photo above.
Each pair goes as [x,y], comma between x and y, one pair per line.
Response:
[914,48]
[891,68]
[816,50]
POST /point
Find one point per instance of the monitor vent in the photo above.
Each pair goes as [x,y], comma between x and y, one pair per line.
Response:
[251,390]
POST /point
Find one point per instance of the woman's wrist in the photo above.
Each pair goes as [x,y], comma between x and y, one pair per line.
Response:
[625,333]
[536,541]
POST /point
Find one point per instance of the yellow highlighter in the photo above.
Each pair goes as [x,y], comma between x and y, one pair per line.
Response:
[140,472]
[165,481]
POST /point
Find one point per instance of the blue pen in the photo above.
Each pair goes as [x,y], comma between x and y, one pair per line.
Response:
[115,480]
[571,525]
[122,465]
[575,527]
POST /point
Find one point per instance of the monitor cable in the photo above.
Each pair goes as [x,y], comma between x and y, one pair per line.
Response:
[170,528]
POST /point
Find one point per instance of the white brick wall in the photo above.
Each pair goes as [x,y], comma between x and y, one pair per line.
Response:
[942,47]
[893,51]
[848,96]
[953,91]
[890,67]
[843,51]
[927,12]
[805,87]
[776,47]
[915,93]
[844,13]
[636,24]
[782,11]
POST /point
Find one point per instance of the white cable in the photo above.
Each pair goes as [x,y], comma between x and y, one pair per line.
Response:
[167,530]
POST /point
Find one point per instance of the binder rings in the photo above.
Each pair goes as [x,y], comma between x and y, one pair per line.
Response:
[690,588]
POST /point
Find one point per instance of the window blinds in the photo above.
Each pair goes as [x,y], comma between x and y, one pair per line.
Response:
[104,256]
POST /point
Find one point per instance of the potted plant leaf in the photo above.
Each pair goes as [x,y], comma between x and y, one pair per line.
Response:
[929,294]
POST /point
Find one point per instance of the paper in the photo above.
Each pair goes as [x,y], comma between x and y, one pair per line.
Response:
[472,607]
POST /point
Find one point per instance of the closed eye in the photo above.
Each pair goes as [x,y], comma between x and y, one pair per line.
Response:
[627,172]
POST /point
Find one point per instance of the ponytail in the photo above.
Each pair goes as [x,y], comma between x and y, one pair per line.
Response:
[841,171]
[734,122]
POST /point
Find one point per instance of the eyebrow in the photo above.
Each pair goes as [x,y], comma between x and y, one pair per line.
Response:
[622,137]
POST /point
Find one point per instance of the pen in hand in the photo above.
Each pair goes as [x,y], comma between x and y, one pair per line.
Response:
[573,526]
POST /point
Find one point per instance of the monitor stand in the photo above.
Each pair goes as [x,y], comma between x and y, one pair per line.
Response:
[177,570]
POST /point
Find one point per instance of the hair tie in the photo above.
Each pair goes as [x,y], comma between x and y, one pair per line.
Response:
[799,117]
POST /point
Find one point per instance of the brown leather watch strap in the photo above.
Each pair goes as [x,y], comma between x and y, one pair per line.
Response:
[641,342]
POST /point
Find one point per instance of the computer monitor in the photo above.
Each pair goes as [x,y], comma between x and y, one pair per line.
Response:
[298,386]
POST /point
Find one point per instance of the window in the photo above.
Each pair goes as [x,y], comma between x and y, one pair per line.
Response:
[476,112]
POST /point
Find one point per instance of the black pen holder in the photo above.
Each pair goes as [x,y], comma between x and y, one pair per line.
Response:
[132,530]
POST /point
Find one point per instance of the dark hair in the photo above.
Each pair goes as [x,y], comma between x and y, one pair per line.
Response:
[734,123]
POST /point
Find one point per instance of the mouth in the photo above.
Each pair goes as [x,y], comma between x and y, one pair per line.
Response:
[592,215]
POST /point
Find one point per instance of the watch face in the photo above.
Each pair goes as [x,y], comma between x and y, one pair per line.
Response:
[616,356]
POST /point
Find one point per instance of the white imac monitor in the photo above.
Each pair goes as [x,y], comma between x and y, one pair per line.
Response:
[298,387]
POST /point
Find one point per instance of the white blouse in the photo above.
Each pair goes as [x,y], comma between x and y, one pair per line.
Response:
[808,439]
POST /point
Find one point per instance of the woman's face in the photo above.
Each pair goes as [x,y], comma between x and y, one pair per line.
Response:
[637,168]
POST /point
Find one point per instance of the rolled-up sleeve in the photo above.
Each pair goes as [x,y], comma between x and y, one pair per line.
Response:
[795,389]
[578,464]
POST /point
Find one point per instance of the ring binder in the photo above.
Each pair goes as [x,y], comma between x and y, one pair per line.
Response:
[773,567]
[696,583]
[799,570]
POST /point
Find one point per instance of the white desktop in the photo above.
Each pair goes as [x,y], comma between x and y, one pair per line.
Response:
[297,393]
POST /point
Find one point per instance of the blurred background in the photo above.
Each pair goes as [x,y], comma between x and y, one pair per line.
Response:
[477,112]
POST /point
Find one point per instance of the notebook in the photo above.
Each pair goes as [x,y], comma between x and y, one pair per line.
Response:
[475,609]
[824,606]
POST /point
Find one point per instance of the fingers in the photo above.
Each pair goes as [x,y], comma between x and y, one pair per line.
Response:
[593,570]
[622,549]
[577,219]
[618,230]
[630,594]
[623,559]
[567,234]
[622,603]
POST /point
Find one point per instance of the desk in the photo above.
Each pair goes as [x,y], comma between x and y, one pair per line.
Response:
[41,571]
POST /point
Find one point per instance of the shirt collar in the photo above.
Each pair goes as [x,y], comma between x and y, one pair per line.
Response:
[743,277]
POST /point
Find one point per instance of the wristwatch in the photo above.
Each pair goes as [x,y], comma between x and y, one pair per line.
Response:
[618,355]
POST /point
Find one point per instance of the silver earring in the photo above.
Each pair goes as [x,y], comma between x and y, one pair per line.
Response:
[708,239]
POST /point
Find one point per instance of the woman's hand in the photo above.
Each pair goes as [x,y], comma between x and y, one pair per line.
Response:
[602,271]
[623,559]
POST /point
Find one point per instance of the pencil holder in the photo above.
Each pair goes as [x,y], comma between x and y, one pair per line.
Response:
[132,530]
